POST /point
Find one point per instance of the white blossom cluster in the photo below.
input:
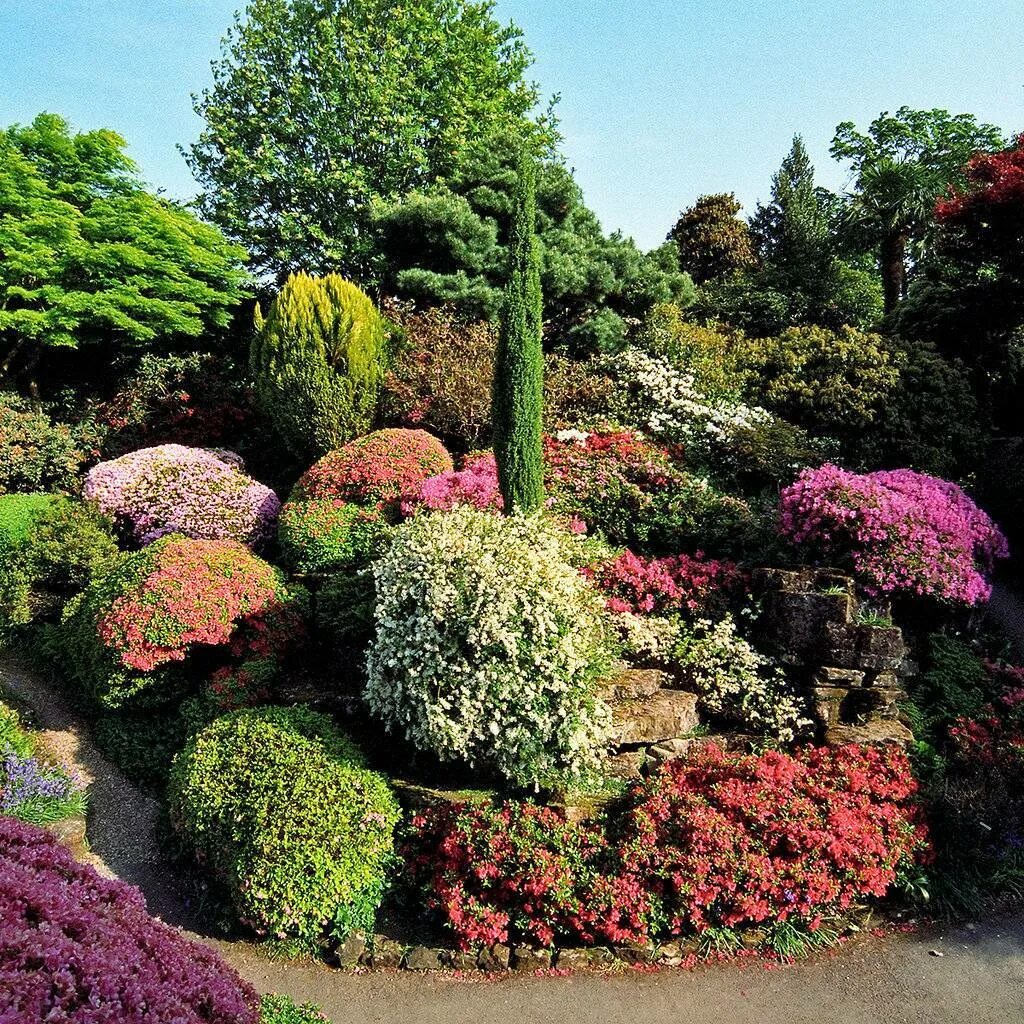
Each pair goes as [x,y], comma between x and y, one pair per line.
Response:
[738,682]
[488,647]
[665,401]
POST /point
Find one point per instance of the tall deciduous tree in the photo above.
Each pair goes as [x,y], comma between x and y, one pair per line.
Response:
[519,369]
[88,257]
[713,242]
[322,108]
[901,166]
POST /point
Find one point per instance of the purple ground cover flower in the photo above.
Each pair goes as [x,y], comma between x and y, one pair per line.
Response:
[191,491]
[24,779]
[903,532]
[80,949]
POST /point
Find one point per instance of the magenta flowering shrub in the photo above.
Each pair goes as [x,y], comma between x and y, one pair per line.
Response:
[475,484]
[81,949]
[902,532]
[190,491]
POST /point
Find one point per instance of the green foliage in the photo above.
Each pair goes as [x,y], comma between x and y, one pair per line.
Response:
[276,803]
[36,454]
[142,745]
[284,1010]
[325,536]
[345,614]
[320,111]
[713,242]
[91,258]
[954,683]
[518,408]
[50,548]
[831,382]
[903,164]
[319,361]
[14,737]
[932,423]
[449,245]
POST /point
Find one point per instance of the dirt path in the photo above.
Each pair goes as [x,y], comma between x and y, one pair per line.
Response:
[979,979]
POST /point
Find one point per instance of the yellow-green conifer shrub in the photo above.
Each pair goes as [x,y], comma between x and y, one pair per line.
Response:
[319,360]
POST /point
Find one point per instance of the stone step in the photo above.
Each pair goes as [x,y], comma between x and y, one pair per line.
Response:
[664,715]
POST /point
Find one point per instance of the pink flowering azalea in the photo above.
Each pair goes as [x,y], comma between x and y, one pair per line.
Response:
[475,484]
[903,532]
[189,491]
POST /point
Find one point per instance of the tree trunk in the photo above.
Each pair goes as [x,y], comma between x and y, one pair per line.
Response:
[894,269]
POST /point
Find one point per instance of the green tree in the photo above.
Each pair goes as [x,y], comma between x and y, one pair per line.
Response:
[713,242]
[90,258]
[791,232]
[519,367]
[903,164]
[322,108]
[448,244]
[319,361]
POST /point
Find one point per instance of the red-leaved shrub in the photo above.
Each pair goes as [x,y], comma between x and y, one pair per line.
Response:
[81,949]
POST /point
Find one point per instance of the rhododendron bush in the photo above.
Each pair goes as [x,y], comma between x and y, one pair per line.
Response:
[81,949]
[378,469]
[488,646]
[160,605]
[715,841]
[475,484]
[172,489]
[902,532]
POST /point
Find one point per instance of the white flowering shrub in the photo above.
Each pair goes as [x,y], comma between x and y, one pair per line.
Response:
[737,682]
[666,402]
[488,647]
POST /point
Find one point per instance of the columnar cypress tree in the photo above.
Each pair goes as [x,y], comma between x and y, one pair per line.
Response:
[518,399]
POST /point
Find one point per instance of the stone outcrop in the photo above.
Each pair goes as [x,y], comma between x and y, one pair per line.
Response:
[851,665]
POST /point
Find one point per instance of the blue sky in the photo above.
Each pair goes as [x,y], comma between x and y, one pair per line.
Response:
[662,100]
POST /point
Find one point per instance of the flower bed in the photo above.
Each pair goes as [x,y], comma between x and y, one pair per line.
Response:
[190,491]
[81,949]
[706,845]
[903,532]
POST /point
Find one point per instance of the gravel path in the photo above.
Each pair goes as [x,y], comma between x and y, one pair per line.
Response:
[977,979]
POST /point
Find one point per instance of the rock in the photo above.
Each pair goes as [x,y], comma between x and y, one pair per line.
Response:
[870,733]
[754,938]
[422,958]
[626,764]
[796,624]
[839,677]
[351,951]
[635,953]
[526,958]
[600,956]
[384,953]
[670,749]
[497,958]
[635,684]
[875,648]
[665,715]
[572,959]
[463,961]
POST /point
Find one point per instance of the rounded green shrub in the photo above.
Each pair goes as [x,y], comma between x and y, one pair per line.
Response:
[319,361]
[489,645]
[36,453]
[328,535]
[50,548]
[277,803]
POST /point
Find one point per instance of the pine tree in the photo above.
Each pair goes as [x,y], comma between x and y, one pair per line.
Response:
[318,361]
[519,369]
[791,232]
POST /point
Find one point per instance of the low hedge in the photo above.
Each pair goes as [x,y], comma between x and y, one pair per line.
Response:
[277,803]
[327,535]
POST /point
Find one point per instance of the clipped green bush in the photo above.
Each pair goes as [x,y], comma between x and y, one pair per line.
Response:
[325,535]
[50,548]
[319,361]
[277,803]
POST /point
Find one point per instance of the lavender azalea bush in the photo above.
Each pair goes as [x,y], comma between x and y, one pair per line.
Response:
[80,949]
[902,532]
[191,491]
